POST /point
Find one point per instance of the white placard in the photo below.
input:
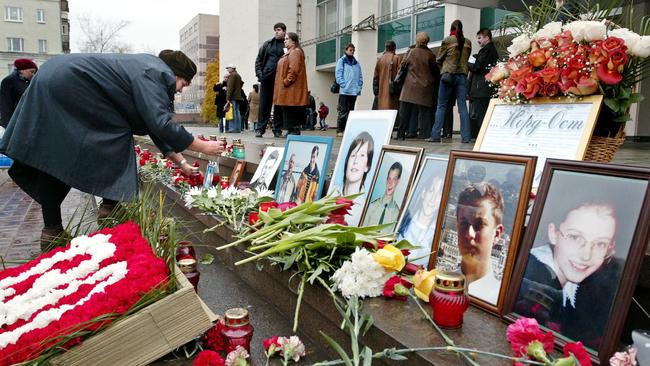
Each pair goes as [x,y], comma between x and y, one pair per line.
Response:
[548,130]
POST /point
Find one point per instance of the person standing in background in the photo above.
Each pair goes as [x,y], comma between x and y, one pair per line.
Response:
[265,68]
[349,77]
[385,72]
[234,98]
[13,87]
[254,105]
[220,101]
[290,93]
[480,90]
[452,59]
[323,111]
[310,122]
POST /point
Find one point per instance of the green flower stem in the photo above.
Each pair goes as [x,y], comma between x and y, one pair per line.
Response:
[301,291]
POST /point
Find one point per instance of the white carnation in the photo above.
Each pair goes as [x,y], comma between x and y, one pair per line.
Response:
[642,48]
[520,44]
[212,192]
[630,38]
[264,193]
[189,195]
[361,276]
[587,30]
[549,31]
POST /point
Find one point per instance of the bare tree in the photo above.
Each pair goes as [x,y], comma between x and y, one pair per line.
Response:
[102,35]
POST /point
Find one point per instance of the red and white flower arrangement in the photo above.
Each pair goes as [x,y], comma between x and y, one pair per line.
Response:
[64,291]
[580,58]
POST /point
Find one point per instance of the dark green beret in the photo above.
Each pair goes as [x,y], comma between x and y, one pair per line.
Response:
[180,64]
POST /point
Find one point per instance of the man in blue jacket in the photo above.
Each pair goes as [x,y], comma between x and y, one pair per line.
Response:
[349,78]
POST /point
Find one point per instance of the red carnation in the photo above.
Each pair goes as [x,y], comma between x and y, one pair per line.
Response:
[209,358]
[411,268]
[345,209]
[524,331]
[578,351]
[287,205]
[397,287]
[271,346]
[213,338]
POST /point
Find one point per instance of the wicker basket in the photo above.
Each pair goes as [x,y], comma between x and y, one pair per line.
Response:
[602,149]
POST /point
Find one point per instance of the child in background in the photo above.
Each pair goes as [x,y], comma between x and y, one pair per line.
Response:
[323,111]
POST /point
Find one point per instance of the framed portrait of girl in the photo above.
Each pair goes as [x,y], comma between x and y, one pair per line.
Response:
[581,255]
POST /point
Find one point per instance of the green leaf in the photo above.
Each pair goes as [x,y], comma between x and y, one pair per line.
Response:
[207,258]
[636,98]
[405,244]
[367,356]
[613,104]
[317,273]
[368,321]
[345,238]
[393,355]
[338,349]
[288,262]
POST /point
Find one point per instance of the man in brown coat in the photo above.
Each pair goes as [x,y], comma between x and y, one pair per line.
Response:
[234,98]
[416,98]
[385,72]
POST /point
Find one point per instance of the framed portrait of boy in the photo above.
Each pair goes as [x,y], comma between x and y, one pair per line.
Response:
[417,224]
[390,186]
[303,168]
[480,221]
[267,168]
[365,133]
[237,172]
[582,253]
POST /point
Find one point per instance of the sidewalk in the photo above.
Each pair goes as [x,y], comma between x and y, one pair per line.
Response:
[21,221]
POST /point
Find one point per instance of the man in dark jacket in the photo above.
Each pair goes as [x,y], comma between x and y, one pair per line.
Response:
[220,101]
[234,98]
[265,65]
[13,87]
[75,125]
[480,90]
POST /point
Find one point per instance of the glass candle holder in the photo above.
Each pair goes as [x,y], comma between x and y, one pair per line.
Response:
[449,300]
[225,182]
[185,250]
[253,217]
[190,270]
[237,330]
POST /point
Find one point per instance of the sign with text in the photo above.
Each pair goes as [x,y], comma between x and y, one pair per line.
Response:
[546,128]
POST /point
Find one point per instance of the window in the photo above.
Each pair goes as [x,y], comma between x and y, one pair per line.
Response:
[391,6]
[346,13]
[13,14]
[327,17]
[15,44]
[42,45]
[40,15]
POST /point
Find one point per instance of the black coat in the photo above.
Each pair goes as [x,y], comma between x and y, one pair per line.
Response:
[486,58]
[267,60]
[77,119]
[220,98]
[11,89]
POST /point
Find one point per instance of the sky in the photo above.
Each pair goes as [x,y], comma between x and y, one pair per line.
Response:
[154,24]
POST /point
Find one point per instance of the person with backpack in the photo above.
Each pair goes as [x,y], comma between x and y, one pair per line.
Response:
[385,72]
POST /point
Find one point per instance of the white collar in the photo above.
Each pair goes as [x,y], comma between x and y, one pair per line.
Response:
[544,254]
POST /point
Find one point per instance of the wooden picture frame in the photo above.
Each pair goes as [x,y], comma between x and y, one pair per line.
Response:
[421,208]
[237,172]
[301,186]
[489,237]
[576,202]
[392,158]
[558,128]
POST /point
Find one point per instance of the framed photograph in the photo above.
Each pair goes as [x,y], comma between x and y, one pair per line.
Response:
[237,172]
[480,221]
[545,127]
[304,166]
[418,221]
[365,133]
[267,168]
[582,253]
[391,185]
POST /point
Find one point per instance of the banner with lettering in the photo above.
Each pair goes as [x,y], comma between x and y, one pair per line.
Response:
[545,128]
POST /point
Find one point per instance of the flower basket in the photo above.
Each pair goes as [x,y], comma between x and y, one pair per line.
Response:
[602,149]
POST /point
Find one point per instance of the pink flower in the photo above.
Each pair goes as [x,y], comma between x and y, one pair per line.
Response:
[530,85]
[345,209]
[608,76]
[578,351]
[585,86]
[271,346]
[396,287]
[626,358]
[287,205]
[209,358]
[523,332]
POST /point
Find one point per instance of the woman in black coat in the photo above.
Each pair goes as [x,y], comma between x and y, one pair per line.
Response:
[74,127]
[13,87]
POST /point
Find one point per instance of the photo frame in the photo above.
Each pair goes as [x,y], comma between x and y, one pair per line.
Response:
[557,128]
[267,168]
[573,289]
[391,185]
[299,181]
[365,133]
[417,223]
[480,221]
[237,172]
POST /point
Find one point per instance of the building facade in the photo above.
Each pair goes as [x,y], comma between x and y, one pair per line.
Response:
[326,26]
[35,29]
[199,40]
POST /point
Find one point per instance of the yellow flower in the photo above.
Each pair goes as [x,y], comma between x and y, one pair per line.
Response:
[390,258]
[423,282]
